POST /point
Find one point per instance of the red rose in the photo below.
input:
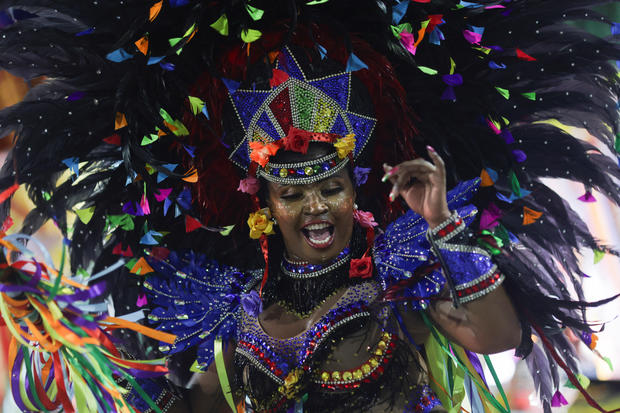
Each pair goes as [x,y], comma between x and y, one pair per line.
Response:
[297,141]
[361,268]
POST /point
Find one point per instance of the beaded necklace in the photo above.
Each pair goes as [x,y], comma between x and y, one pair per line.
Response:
[300,287]
[304,270]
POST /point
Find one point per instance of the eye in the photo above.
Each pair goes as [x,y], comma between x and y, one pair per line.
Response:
[290,196]
[333,190]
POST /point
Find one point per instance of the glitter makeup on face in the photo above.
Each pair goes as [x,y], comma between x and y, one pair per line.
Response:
[315,220]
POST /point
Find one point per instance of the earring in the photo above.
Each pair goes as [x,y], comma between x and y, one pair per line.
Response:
[275,222]
[355,206]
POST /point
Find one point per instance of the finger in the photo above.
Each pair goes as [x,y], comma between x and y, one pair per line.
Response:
[401,174]
[389,172]
[394,192]
[422,176]
[437,161]
[407,170]
[415,163]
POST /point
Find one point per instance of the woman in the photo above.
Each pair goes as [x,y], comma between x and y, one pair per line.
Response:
[307,100]
[316,222]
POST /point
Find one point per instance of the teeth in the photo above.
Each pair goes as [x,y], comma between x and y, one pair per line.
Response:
[314,227]
[321,240]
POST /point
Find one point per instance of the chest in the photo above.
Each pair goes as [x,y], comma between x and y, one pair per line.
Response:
[340,351]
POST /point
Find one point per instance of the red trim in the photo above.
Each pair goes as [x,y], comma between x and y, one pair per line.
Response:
[449,228]
[480,286]
[262,357]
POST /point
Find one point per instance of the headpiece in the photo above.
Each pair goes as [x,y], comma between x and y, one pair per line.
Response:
[308,99]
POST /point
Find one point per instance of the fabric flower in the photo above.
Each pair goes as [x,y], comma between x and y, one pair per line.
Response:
[297,140]
[260,223]
[360,175]
[291,385]
[345,145]
[365,219]
[361,268]
[251,303]
[249,185]
[261,152]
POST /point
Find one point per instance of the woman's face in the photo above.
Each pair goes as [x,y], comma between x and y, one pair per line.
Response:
[316,220]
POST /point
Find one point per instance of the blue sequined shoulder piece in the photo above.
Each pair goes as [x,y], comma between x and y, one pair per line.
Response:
[196,299]
[403,249]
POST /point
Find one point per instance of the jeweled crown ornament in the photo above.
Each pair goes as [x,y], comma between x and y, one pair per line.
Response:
[309,98]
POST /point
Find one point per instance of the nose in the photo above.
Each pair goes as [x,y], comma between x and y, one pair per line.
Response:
[315,204]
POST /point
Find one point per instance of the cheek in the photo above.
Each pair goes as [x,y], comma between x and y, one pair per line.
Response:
[342,207]
[285,213]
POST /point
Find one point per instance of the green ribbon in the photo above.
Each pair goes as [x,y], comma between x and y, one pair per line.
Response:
[446,377]
[489,396]
[498,384]
[56,287]
[35,396]
[220,367]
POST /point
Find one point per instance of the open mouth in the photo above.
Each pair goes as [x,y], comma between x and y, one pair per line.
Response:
[320,235]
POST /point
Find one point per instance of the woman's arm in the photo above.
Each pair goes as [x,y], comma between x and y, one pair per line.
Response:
[487,324]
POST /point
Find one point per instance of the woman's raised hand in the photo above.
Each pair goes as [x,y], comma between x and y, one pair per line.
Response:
[422,185]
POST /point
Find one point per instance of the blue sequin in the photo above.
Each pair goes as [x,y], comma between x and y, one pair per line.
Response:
[362,127]
[339,127]
[247,104]
[196,299]
[287,64]
[336,87]
[265,124]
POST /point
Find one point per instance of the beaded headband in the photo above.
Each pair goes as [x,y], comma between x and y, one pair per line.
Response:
[299,107]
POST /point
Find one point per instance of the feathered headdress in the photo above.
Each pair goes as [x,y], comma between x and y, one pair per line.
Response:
[129,128]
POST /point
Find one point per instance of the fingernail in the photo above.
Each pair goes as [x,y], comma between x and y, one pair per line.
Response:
[393,193]
[388,174]
[430,148]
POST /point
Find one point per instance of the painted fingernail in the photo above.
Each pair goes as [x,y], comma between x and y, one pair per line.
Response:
[393,193]
[430,148]
[389,173]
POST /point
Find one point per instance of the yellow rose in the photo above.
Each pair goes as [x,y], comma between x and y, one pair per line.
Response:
[290,388]
[345,145]
[260,223]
